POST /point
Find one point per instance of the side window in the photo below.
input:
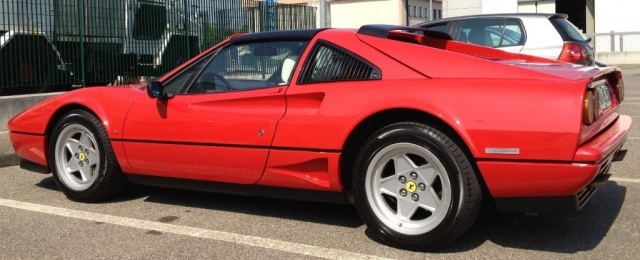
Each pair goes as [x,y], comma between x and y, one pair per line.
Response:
[174,85]
[495,35]
[512,35]
[491,32]
[328,63]
[246,66]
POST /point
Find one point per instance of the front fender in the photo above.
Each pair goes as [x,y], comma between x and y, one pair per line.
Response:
[109,104]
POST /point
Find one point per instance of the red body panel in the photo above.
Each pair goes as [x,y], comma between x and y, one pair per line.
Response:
[197,162]
[536,179]
[468,106]
[29,146]
[293,136]
[110,104]
[303,170]
[204,137]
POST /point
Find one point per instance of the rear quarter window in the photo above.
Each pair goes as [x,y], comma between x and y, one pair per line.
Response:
[330,63]
[567,30]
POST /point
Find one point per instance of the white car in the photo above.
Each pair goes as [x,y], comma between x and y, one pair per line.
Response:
[550,36]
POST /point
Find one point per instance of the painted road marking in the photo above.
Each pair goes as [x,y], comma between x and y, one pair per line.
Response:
[619,179]
[253,241]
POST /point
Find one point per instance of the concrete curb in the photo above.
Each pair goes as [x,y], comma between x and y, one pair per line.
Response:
[12,105]
[8,156]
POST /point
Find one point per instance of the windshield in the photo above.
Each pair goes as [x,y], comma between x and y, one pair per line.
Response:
[568,29]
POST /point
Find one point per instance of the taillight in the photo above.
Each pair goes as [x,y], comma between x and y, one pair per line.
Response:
[619,87]
[574,53]
[589,107]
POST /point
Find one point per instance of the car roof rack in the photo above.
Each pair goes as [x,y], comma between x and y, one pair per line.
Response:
[382,31]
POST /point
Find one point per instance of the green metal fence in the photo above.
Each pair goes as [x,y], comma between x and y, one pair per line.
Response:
[52,45]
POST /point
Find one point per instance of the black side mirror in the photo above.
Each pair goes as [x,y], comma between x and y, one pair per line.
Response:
[155,89]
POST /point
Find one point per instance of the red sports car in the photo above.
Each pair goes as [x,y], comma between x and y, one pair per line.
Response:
[418,131]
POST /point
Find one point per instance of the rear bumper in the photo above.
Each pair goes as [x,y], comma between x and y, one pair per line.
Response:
[555,187]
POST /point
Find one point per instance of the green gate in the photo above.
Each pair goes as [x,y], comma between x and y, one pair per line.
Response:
[53,45]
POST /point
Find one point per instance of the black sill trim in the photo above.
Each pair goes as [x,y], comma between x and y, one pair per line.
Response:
[227,145]
[239,189]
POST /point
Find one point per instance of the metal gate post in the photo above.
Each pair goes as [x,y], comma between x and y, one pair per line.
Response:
[81,33]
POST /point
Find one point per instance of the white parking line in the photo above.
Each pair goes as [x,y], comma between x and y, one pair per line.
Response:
[253,241]
[619,179]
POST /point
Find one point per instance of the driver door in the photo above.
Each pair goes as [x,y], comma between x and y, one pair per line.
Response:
[221,121]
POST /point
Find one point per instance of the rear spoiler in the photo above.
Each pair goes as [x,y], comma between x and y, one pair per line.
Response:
[382,31]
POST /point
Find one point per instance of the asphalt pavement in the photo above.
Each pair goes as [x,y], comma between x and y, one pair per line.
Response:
[8,156]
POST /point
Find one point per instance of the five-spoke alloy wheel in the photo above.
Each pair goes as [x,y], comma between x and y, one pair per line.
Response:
[77,157]
[82,159]
[414,187]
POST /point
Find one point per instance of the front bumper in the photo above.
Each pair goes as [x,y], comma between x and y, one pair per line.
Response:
[29,146]
[556,187]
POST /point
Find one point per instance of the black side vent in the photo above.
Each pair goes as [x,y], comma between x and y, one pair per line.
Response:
[330,63]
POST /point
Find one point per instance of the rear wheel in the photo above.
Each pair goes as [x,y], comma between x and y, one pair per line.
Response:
[414,187]
[82,159]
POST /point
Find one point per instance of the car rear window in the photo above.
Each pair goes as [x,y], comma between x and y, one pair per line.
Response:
[568,30]
[493,33]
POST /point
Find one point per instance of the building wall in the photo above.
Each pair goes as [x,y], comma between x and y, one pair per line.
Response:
[419,11]
[452,8]
[617,15]
[544,6]
[355,13]
[499,6]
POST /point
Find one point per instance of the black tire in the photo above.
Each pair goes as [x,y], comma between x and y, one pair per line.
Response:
[82,160]
[418,169]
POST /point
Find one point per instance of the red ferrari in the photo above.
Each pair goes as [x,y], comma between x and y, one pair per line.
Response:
[418,131]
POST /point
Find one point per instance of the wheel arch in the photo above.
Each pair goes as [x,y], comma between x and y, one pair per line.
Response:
[56,116]
[378,120]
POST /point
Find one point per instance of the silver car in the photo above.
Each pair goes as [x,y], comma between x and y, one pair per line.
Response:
[550,36]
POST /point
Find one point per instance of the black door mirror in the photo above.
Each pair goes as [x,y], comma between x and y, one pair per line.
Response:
[155,89]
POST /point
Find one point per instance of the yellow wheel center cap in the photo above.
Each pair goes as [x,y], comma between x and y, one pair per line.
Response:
[411,186]
[81,157]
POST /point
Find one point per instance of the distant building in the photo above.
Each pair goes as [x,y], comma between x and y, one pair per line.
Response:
[355,13]
[591,16]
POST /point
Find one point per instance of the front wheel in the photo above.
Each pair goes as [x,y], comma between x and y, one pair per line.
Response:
[414,187]
[82,160]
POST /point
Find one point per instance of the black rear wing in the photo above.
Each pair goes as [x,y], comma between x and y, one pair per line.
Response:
[382,31]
